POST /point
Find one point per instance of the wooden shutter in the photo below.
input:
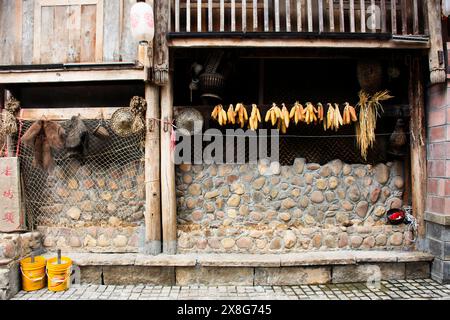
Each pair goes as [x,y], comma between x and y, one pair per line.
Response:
[68,31]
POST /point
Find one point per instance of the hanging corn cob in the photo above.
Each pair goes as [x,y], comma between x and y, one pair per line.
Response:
[219,115]
[273,114]
[231,115]
[242,114]
[255,118]
[310,113]
[297,113]
[338,121]
[330,117]
[349,114]
[320,112]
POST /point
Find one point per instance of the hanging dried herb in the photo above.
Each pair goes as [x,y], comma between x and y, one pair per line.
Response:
[370,110]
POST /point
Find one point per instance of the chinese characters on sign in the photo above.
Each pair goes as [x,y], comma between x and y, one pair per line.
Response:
[10,207]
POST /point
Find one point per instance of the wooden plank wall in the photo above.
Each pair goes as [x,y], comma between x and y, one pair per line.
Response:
[68,32]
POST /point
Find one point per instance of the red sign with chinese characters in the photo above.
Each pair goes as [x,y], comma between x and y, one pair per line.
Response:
[11,215]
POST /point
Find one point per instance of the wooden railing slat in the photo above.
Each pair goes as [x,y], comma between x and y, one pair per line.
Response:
[374,16]
[288,15]
[277,15]
[222,16]
[177,15]
[352,16]
[299,15]
[416,17]
[394,16]
[255,15]
[310,16]
[363,15]
[266,15]
[404,17]
[188,15]
[383,15]
[199,15]
[210,16]
[244,15]
[341,16]
[320,13]
[331,14]
[233,15]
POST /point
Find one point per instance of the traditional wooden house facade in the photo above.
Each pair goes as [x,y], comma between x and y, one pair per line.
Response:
[316,215]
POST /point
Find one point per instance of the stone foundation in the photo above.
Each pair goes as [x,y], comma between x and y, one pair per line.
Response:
[268,208]
[106,239]
[14,247]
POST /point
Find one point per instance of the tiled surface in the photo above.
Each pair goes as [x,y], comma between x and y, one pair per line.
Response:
[386,290]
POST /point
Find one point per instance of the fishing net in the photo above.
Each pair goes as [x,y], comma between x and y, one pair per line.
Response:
[87,189]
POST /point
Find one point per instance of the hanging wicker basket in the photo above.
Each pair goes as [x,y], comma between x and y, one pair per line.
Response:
[212,85]
[189,122]
[370,75]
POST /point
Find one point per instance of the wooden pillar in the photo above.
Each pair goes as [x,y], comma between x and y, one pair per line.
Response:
[438,73]
[168,196]
[9,140]
[418,147]
[152,172]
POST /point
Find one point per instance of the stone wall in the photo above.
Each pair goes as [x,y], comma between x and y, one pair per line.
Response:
[81,196]
[271,208]
[111,238]
[93,211]
[14,247]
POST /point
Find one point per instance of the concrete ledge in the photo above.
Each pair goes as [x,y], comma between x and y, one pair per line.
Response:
[437,218]
[317,258]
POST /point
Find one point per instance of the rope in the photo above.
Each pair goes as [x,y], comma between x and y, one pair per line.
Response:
[413,224]
[301,136]
[19,139]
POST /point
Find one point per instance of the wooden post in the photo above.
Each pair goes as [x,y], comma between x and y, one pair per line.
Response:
[152,172]
[168,196]
[9,140]
[418,147]
[2,106]
[436,54]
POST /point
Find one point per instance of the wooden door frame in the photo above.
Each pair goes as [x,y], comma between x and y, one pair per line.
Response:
[39,4]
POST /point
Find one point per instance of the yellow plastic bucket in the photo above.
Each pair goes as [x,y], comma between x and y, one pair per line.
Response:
[59,274]
[33,273]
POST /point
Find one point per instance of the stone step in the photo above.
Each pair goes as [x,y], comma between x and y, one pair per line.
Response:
[316,258]
[319,267]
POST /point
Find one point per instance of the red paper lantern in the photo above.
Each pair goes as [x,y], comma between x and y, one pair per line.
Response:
[142,22]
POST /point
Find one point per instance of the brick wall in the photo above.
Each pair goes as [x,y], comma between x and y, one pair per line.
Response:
[438,183]
[438,150]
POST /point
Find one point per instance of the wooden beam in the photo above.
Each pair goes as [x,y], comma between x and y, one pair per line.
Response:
[294,42]
[418,147]
[60,114]
[168,196]
[51,76]
[152,172]
[438,73]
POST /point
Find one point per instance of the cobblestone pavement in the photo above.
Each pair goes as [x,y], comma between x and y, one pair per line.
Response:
[387,290]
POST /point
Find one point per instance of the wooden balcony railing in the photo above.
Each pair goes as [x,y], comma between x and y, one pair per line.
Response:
[396,17]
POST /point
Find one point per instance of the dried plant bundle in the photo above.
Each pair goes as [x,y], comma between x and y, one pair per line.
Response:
[370,111]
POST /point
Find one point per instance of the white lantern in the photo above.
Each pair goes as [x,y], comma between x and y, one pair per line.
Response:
[142,22]
[446,7]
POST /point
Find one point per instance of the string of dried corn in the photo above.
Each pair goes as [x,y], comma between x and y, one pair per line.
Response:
[370,110]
